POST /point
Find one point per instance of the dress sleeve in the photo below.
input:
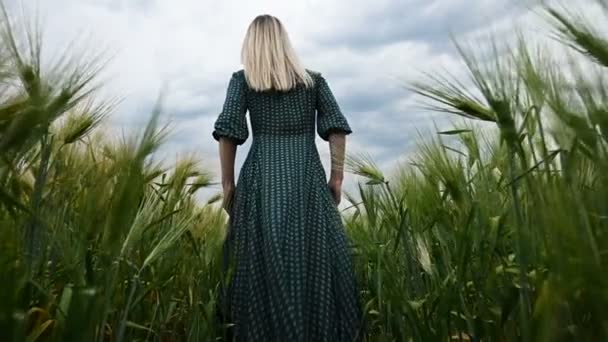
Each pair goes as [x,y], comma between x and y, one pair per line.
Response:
[232,122]
[329,115]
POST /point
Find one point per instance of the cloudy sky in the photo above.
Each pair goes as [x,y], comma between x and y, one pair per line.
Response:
[366,50]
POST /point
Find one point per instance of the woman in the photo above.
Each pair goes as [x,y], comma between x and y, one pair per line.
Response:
[293,277]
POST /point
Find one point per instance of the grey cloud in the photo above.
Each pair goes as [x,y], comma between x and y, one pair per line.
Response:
[419,20]
[119,5]
[355,47]
[361,101]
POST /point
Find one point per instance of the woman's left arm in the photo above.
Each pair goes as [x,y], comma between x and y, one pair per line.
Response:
[230,130]
[227,150]
[337,148]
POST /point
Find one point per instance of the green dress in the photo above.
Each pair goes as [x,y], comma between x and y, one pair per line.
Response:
[293,276]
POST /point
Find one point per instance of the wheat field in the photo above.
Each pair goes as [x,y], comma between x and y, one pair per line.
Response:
[493,232]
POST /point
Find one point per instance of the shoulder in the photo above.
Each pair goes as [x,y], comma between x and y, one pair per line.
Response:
[314,74]
[239,75]
[317,78]
[238,78]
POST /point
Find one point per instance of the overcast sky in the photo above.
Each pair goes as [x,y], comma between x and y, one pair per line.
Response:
[366,50]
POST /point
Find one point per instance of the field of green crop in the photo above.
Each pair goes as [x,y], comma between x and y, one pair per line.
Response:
[493,232]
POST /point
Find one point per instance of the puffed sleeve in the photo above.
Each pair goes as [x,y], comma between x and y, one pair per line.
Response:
[232,122]
[329,116]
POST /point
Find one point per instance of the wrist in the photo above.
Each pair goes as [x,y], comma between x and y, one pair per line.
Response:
[337,177]
[227,183]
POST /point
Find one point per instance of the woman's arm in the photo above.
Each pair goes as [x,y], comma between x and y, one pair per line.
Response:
[227,150]
[337,147]
[230,130]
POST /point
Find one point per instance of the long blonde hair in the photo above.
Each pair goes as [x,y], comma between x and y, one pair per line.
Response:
[269,60]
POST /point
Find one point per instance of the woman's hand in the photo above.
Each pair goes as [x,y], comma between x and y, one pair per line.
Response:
[335,187]
[228,195]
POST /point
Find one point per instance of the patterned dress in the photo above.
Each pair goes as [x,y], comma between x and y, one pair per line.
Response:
[293,278]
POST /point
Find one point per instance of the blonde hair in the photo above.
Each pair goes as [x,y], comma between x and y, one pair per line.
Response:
[269,60]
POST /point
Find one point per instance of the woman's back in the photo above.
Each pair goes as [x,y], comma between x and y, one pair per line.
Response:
[274,112]
[294,279]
